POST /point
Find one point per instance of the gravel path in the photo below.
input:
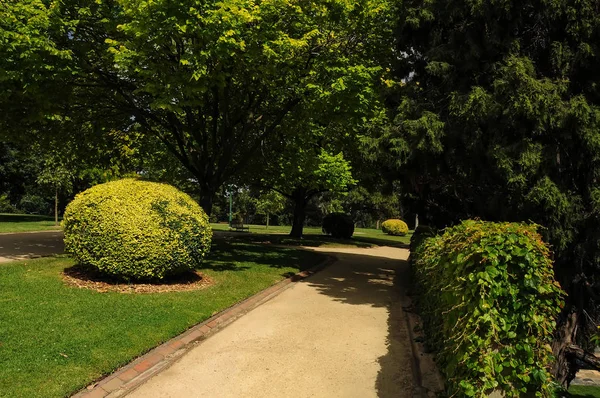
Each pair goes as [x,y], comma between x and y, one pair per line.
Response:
[339,333]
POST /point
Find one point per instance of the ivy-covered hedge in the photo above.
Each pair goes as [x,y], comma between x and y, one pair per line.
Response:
[489,300]
[136,230]
[394,227]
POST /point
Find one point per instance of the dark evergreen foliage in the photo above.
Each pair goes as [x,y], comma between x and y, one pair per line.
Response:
[498,117]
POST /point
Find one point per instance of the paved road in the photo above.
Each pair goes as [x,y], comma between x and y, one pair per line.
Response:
[25,245]
[340,333]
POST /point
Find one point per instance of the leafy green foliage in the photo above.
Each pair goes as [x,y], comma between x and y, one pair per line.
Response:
[499,118]
[338,225]
[368,204]
[394,227]
[134,229]
[5,205]
[489,302]
[31,64]
[271,202]
[34,204]
[214,80]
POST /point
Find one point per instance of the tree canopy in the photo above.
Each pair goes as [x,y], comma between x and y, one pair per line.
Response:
[212,80]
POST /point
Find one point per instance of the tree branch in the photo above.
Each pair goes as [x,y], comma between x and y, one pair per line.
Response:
[578,353]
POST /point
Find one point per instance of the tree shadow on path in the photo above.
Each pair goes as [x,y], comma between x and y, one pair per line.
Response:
[378,278]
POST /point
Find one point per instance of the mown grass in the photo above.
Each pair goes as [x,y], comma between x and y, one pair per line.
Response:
[25,223]
[313,236]
[363,237]
[56,339]
[584,392]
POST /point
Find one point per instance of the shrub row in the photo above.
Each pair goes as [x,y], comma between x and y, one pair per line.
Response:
[489,300]
[136,230]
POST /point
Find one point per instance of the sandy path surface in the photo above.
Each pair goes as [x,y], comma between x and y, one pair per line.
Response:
[339,333]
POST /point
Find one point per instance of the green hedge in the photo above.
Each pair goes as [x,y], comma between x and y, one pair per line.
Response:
[394,227]
[489,300]
[136,230]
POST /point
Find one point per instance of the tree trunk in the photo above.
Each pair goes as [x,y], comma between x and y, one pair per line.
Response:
[299,214]
[267,220]
[56,207]
[564,369]
[206,200]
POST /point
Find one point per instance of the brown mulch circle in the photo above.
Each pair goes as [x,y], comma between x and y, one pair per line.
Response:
[84,278]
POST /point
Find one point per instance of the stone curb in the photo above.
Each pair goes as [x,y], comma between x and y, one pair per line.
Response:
[134,374]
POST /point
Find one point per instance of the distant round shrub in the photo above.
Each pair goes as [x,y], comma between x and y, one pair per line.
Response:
[338,225]
[394,227]
[136,230]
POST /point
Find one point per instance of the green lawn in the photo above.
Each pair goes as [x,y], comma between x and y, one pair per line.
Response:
[56,339]
[25,223]
[363,237]
[584,392]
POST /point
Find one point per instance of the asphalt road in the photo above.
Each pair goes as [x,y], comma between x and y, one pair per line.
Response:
[25,245]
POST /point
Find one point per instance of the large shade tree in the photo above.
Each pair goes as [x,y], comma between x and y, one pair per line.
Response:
[499,118]
[32,67]
[210,79]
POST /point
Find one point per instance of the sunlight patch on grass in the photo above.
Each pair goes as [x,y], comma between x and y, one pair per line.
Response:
[26,223]
[56,339]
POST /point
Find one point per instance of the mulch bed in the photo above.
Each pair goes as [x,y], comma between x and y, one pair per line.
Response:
[84,278]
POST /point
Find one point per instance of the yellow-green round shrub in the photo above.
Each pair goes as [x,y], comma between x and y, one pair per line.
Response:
[136,230]
[394,227]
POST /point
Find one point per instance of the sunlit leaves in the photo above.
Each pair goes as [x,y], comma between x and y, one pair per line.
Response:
[489,301]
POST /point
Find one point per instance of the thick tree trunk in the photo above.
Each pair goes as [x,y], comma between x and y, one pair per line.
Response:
[564,368]
[56,207]
[568,355]
[586,357]
[206,200]
[299,214]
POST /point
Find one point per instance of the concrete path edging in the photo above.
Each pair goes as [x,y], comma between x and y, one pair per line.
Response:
[134,374]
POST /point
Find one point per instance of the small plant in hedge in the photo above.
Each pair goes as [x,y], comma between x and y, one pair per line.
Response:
[338,225]
[394,227]
[489,302]
[136,230]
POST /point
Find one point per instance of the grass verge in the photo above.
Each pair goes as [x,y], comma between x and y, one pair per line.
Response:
[363,237]
[56,339]
[584,392]
[25,223]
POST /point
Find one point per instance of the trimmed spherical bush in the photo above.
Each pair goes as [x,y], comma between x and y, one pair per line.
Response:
[136,230]
[394,227]
[338,225]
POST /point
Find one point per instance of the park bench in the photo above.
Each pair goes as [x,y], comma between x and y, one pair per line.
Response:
[240,227]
